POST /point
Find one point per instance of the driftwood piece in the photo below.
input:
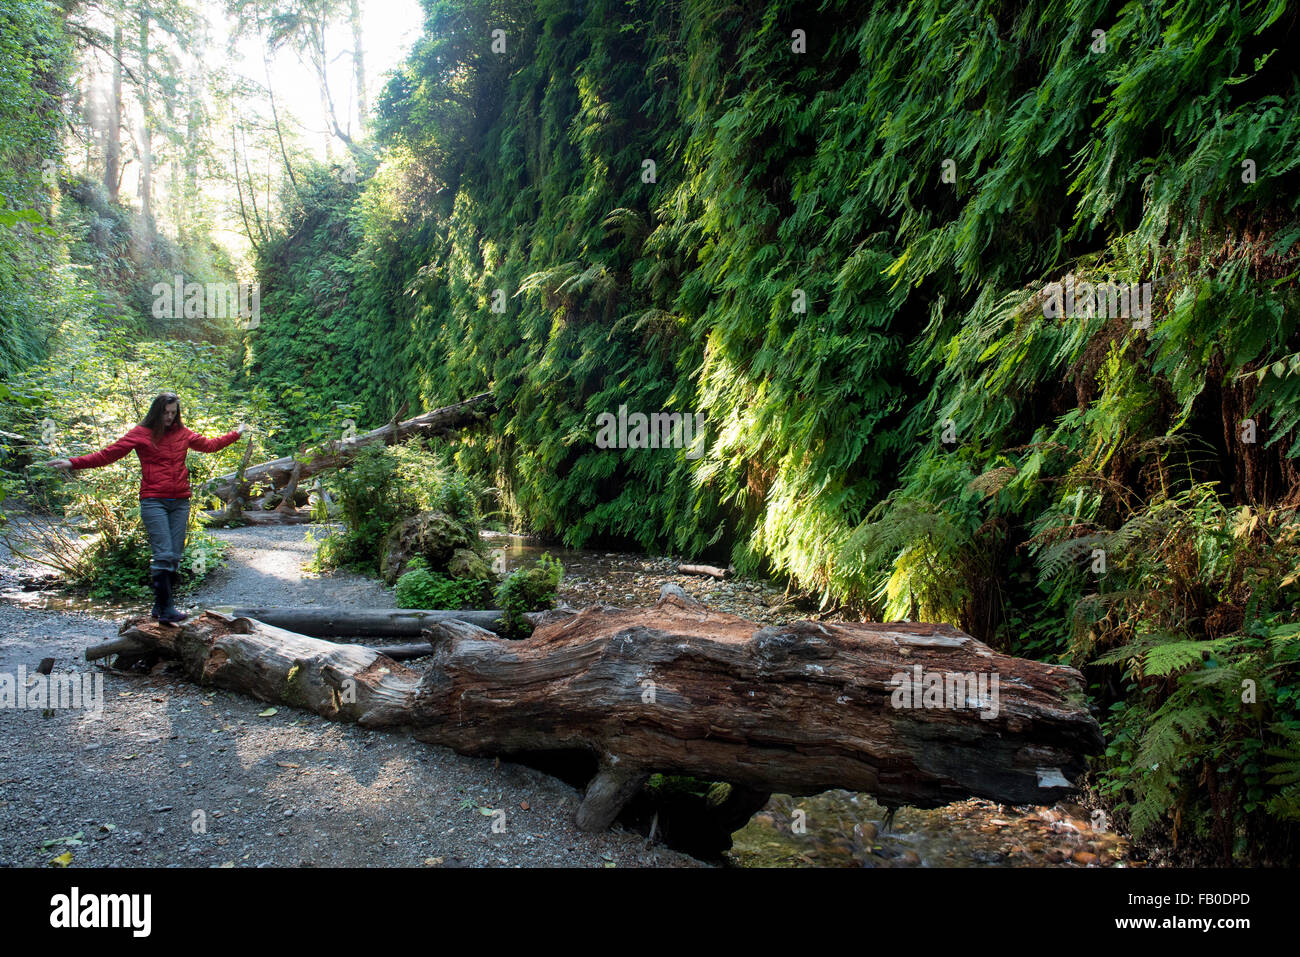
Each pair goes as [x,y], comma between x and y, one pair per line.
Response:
[680,689]
[711,570]
[278,471]
[452,628]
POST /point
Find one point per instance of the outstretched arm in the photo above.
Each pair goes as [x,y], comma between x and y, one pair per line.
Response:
[108,455]
[204,444]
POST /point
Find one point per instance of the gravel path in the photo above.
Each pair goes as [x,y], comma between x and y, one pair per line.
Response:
[172,774]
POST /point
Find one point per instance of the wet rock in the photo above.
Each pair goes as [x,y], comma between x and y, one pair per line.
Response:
[866,832]
[1084,857]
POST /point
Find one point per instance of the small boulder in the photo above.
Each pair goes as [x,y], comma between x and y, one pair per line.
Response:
[466,563]
[434,536]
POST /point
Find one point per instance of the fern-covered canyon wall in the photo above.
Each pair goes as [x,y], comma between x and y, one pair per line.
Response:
[833,229]
[841,250]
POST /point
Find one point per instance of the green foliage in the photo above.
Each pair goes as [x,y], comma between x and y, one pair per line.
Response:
[37,59]
[119,570]
[533,588]
[368,496]
[421,588]
[385,484]
[1199,607]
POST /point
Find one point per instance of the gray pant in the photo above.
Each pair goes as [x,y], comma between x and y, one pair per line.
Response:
[164,521]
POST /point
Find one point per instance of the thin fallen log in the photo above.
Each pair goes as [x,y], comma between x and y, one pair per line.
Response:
[276,516]
[415,649]
[278,471]
[680,689]
[431,625]
[330,622]
[133,647]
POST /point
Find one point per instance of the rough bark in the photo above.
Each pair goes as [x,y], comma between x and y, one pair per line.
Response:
[279,471]
[679,689]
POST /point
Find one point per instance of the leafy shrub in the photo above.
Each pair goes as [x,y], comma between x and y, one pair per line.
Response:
[421,588]
[1211,696]
[369,506]
[529,589]
[385,485]
[106,553]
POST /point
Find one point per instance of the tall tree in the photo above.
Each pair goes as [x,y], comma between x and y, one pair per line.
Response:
[359,65]
[146,126]
[113,123]
[302,26]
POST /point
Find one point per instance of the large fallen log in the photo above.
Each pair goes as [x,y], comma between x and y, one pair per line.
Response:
[278,472]
[679,689]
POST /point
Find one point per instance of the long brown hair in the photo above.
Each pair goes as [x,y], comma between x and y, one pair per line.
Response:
[157,408]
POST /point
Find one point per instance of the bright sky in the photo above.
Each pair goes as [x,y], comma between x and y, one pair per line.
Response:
[388,27]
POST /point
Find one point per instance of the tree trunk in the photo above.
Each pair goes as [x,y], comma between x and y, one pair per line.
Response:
[279,471]
[146,131]
[359,65]
[113,146]
[678,689]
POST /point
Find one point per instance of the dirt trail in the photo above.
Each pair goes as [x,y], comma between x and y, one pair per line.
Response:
[172,775]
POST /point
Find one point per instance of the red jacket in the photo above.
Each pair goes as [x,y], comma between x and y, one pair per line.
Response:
[162,466]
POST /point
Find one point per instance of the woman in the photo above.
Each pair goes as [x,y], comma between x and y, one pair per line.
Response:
[161,442]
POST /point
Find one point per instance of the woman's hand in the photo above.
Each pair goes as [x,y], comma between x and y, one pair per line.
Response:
[243,429]
[63,465]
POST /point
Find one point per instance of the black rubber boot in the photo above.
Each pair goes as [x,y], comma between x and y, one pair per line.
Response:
[157,609]
[163,589]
